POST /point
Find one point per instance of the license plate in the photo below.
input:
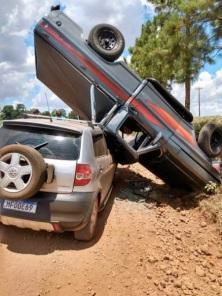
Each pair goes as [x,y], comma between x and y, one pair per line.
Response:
[21,206]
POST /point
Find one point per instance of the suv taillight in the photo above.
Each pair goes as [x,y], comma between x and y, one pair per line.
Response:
[83,175]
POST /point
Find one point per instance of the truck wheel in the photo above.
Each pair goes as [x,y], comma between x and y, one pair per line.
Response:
[210,140]
[88,232]
[107,41]
[22,172]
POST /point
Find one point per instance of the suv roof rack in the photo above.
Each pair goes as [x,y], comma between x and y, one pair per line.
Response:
[51,118]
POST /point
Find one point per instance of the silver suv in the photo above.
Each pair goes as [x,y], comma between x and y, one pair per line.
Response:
[55,175]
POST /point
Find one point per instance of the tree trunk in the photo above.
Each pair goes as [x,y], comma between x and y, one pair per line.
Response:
[187,93]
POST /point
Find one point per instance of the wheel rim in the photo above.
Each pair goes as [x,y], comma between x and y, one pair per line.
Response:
[107,39]
[15,172]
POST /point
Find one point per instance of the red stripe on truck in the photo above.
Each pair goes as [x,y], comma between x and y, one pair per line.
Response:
[173,124]
[118,90]
[143,110]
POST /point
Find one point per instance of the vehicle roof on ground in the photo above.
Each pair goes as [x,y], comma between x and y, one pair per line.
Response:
[72,125]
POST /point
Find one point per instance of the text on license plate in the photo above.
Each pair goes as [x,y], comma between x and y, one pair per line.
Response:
[22,206]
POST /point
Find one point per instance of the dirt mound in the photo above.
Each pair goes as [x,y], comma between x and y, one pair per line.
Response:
[154,245]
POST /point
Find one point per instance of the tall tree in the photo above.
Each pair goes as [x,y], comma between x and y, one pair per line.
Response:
[59,113]
[214,16]
[73,115]
[20,110]
[179,44]
[46,113]
[8,112]
[35,111]
[150,56]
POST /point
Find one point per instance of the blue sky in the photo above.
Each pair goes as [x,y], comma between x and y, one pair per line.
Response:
[215,67]
[17,64]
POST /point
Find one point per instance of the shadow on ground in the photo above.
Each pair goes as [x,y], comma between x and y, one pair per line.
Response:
[160,195]
[25,241]
[42,243]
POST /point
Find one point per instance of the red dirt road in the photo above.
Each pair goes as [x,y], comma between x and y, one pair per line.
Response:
[159,247]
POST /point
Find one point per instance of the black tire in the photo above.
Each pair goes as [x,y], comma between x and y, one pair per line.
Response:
[107,41]
[88,232]
[35,179]
[210,140]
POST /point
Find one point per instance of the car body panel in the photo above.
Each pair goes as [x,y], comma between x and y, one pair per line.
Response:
[74,67]
[173,160]
[57,54]
[64,174]
[71,211]
[106,172]
[59,201]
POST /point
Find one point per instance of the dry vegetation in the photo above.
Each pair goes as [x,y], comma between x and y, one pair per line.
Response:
[211,207]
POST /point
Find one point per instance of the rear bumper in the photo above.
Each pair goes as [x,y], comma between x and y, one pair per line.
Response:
[55,212]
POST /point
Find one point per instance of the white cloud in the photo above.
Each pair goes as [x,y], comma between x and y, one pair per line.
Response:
[18,18]
[127,15]
[47,98]
[17,62]
[210,93]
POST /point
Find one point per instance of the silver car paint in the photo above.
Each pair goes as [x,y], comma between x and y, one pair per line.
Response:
[64,174]
[70,204]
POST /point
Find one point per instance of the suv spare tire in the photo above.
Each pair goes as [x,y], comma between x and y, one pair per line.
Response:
[107,41]
[210,140]
[22,172]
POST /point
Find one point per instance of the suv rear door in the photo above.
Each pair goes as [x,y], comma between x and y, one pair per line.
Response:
[59,148]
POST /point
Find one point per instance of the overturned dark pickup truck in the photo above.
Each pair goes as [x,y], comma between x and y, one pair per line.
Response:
[141,119]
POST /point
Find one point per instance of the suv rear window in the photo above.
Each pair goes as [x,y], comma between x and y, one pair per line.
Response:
[51,144]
